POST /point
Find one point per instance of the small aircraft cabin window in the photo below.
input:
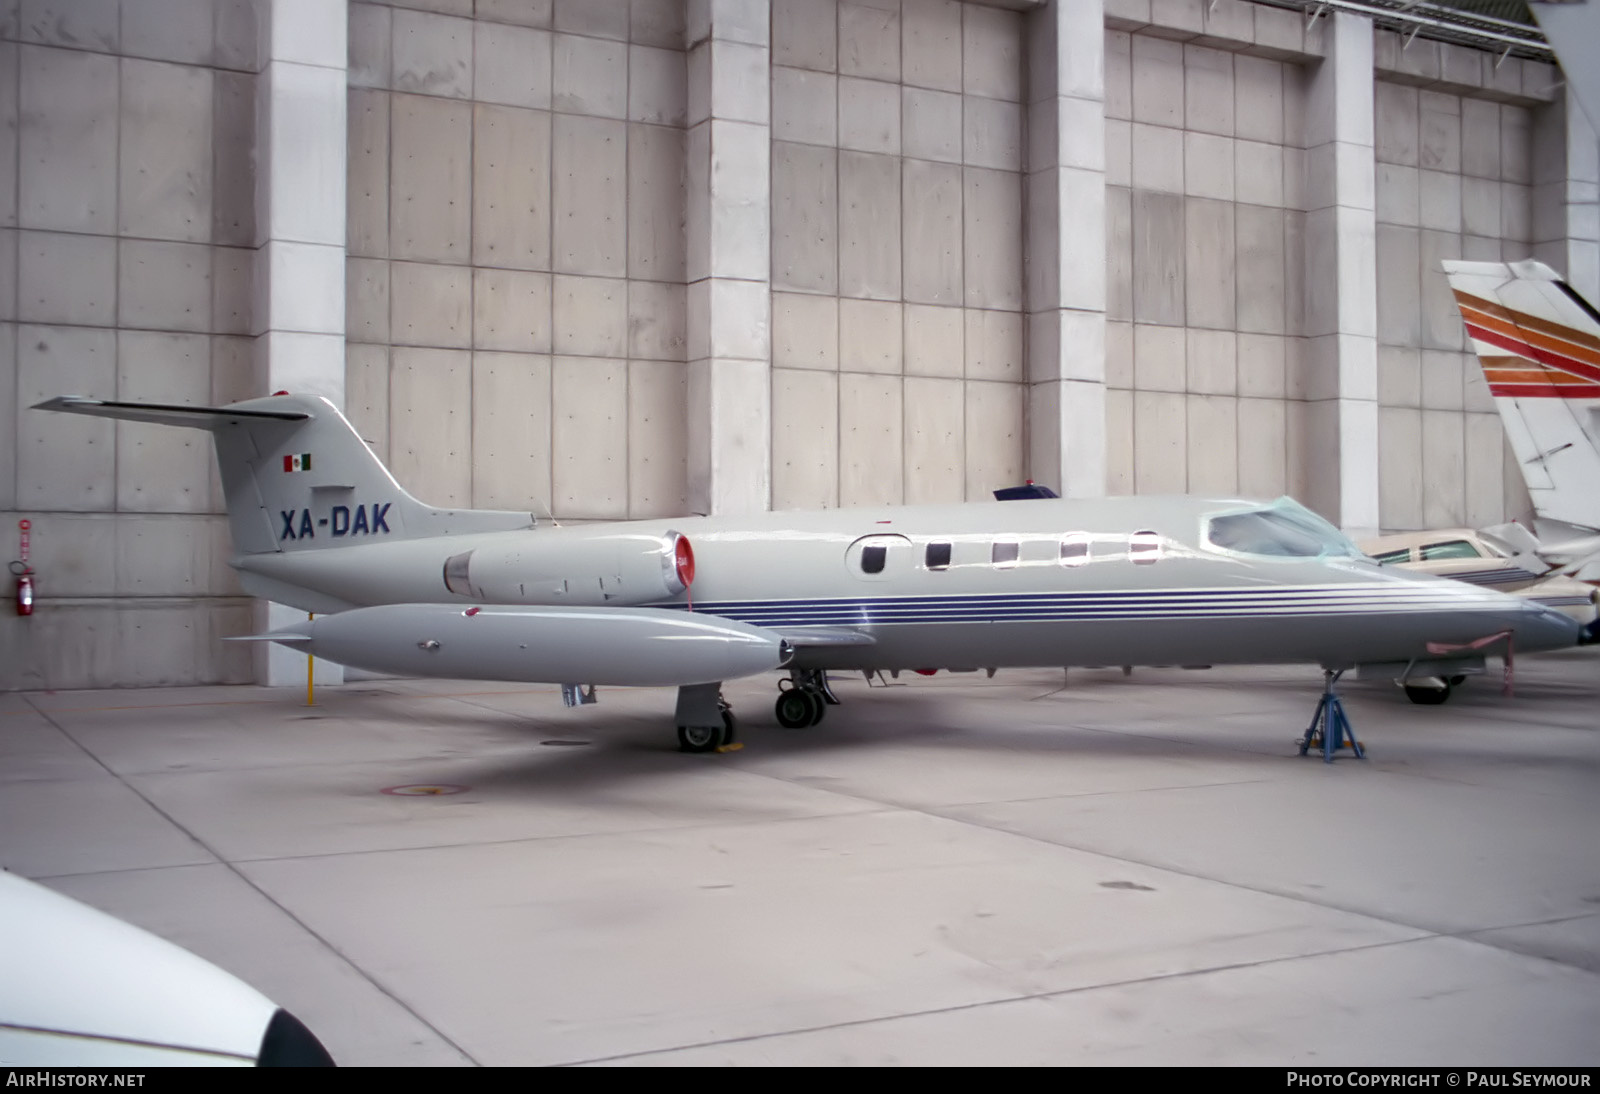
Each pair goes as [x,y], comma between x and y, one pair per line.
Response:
[1389,558]
[1456,548]
[1144,547]
[1005,553]
[938,556]
[1075,549]
[872,558]
[455,573]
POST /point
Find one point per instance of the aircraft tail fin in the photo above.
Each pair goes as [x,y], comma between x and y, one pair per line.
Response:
[297,476]
[1538,342]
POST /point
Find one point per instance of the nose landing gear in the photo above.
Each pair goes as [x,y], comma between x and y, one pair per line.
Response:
[803,698]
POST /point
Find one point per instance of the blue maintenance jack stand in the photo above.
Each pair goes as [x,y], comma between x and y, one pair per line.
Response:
[1330,729]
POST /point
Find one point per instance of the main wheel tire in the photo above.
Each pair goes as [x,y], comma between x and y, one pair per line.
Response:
[821,706]
[1427,697]
[730,726]
[703,738]
[796,708]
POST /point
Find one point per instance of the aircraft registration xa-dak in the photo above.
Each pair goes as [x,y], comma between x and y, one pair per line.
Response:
[401,587]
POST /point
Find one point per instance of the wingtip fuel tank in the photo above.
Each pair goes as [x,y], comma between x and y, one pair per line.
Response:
[643,647]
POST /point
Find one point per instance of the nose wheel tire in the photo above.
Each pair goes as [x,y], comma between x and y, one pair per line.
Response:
[1427,697]
[798,708]
[708,738]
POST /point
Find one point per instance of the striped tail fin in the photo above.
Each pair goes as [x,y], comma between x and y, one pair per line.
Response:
[1539,344]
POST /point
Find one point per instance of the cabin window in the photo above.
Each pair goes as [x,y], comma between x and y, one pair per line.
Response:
[873,558]
[1389,558]
[1144,547]
[1075,549]
[938,556]
[1005,552]
[455,573]
[1456,548]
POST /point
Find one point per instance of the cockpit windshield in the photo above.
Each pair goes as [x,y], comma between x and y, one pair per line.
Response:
[1284,529]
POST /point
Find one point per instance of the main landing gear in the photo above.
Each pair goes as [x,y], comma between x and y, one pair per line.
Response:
[705,720]
[803,698]
[1330,730]
[1431,695]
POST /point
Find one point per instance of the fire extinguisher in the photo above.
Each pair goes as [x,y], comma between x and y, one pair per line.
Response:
[24,572]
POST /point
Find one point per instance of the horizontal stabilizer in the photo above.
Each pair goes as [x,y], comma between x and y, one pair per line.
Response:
[295,639]
[196,417]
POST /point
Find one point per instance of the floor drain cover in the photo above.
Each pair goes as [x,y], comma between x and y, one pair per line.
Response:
[424,790]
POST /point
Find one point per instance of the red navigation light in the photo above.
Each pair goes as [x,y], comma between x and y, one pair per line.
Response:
[683,561]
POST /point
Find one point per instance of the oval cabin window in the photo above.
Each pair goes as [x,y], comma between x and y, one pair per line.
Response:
[872,559]
[1144,548]
[1075,550]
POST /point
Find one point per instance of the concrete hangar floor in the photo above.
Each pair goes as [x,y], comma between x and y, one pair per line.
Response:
[953,871]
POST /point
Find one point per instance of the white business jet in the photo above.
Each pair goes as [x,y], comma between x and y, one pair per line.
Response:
[402,587]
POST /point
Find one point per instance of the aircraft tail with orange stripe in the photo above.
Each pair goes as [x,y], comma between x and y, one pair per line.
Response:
[1539,344]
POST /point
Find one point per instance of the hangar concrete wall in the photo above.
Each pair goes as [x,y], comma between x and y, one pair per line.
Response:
[620,258]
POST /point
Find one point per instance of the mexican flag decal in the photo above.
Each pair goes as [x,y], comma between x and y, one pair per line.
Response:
[301,462]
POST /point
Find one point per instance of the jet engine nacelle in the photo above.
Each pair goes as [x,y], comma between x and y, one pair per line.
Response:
[552,569]
[639,647]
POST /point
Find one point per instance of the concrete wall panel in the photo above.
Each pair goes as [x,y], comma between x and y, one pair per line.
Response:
[164,555]
[869,116]
[164,286]
[804,34]
[1439,132]
[1119,253]
[934,340]
[658,451]
[1159,358]
[431,305]
[996,446]
[233,141]
[1444,501]
[1441,322]
[1258,99]
[590,316]
[64,461]
[429,189]
[994,345]
[511,311]
[869,41]
[1261,269]
[1119,442]
[1160,442]
[1211,360]
[430,423]
[589,194]
[1442,380]
[160,469]
[932,124]
[1118,75]
[930,44]
[1400,286]
[805,106]
[603,18]
[870,336]
[805,332]
[1258,173]
[366,177]
[1397,190]
[657,321]
[1262,441]
[371,41]
[1213,432]
[82,549]
[591,76]
[511,431]
[366,394]
[67,140]
[432,54]
[511,188]
[656,22]
[1399,377]
[1158,158]
[932,233]
[8,414]
[8,136]
[992,134]
[1208,97]
[65,278]
[805,439]
[1157,81]
[1484,470]
[869,225]
[164,187]
[1208,294]
[1480,138]
[366,300]
[805,208]
[935,427]
[1158,258]
[512,65]
[1395,125]
[871,445]
[589,432]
